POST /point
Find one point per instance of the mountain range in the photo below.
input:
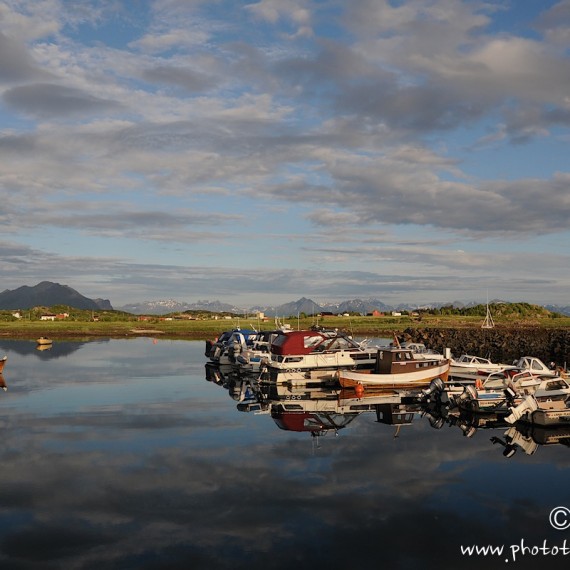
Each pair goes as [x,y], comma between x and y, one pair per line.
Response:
[303,305]
[48,294]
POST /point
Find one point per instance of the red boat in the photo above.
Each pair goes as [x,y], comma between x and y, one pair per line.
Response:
[310,354]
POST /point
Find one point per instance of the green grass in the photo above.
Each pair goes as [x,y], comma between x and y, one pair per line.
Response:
[204,329]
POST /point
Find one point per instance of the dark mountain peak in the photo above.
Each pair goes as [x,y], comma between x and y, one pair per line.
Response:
[47,294]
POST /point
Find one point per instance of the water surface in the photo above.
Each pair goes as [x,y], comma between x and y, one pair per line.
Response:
[119,454]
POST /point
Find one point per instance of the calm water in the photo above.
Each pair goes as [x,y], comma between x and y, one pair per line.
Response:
[119,454]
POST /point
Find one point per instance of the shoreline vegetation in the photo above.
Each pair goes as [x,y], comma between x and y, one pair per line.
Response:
[68,322]
[519,329]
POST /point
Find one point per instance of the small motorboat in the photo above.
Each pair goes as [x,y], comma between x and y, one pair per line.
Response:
[316,354]
[397,367]
[2,362]
[501,391]
[552,412]
[468,367]
[44,340]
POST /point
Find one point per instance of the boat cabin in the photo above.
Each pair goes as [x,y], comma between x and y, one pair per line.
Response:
[293,417]
[399,360]
[394,414]
[308,342]
[533,364]
[508,378]
[470,359]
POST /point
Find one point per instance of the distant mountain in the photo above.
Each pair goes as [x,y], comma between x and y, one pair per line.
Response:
[165,306]
[47,294]
[302,305]
[362,306]
[558,309]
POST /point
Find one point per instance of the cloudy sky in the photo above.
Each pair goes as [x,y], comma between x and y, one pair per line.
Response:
[257,152]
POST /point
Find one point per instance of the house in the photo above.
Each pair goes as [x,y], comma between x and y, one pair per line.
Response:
[375,313]
[48,317]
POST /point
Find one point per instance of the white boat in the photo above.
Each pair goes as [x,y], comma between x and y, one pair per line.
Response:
[534,365]
[316,355]
[502,390]
[397,367]
[258,353]
[419,350]
[468,367]
[224,349]
[537,411]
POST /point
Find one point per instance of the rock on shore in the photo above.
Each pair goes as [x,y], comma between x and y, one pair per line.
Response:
[498,344]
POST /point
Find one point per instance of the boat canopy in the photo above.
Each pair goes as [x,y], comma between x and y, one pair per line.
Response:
[306,342]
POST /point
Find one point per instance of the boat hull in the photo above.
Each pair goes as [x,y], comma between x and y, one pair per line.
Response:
[418,379]
[465,372]
[2,362]
[550,417]
[322,367]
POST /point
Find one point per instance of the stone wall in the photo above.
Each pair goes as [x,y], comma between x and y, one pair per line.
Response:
[498,344]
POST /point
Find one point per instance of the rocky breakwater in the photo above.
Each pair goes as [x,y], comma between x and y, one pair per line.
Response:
[498,344]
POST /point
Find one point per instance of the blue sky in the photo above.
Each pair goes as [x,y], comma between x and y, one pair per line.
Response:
[256,152]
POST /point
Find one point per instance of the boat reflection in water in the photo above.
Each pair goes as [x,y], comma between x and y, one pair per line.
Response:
[523,436]
[319,409]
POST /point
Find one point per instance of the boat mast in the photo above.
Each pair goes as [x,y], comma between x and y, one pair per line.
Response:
[488,323]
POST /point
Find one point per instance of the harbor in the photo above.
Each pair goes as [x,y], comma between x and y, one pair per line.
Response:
[123,453]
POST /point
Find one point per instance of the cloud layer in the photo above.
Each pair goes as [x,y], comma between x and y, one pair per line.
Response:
[178,128]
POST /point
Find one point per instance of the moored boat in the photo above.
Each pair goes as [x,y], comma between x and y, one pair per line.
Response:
[535,365]
[225,348]
[532,410]
[468,367]
[257,353]
[44,340]
[501,391]
[397,367]
[316,354]
[420,350]
[2,363]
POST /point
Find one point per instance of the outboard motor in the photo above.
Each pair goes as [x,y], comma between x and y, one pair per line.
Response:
[509,450]
[435,389]
[436,422]
[510,396]
[469,394]
[527,406]
[468,429]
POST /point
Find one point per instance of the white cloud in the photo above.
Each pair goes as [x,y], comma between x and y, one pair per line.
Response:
[290,118]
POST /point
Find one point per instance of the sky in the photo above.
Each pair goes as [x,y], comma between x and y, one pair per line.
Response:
[412,151]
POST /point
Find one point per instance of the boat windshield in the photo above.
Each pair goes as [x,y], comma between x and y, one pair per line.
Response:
[495,382]
[557,384]
[341,343]
[467,358]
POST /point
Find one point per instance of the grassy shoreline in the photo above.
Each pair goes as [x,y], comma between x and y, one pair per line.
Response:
[205,329]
